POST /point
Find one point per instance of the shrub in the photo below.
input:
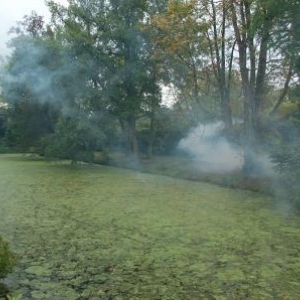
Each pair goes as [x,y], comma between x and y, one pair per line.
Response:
[287,160]
[7,259]
[100,157]
[74,139]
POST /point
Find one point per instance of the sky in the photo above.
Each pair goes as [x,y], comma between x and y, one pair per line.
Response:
[12,11]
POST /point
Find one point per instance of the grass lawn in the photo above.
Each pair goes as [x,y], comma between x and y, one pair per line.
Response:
[99,232]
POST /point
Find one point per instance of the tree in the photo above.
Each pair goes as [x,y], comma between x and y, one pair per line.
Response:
[26,85]
[40,83]
[199,54]
[214,43]
[286,38]
[180,51]
[252,22]
[108,36]
[221,58]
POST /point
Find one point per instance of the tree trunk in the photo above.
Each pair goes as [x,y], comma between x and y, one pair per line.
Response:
[152,131]
[261,71]
[129,135]
[248,93]
[125,135]
[132,137]
[220,66]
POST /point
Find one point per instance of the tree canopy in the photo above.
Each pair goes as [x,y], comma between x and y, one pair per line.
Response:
[107,61]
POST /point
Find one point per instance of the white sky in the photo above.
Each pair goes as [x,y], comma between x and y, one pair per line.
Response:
[12,11]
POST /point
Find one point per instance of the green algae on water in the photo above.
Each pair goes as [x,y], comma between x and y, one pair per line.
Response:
[95,232]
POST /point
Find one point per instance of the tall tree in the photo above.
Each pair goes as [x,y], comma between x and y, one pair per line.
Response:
[25,83]
[196,41]
[221,56]
[253,43]
[182,50]
[109,37]
[286,40]
[40,82]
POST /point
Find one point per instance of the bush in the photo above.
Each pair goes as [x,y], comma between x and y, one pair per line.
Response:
[74,139]
[100,157]
[287,160]
[4,149]
[7,259]
[170,127]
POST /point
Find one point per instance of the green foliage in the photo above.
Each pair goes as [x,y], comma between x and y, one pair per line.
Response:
[287,160]
[100,157]
[170,127]
[31,90]
[119,71]
[27,123]
[73,138]
[3,121]
[4,148]
[286,33]
[111,57]
[39,81]
[7,259]
[286,157]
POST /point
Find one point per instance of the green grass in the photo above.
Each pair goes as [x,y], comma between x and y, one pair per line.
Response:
[96,232]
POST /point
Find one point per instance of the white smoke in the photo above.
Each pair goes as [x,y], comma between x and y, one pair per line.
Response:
[212,152]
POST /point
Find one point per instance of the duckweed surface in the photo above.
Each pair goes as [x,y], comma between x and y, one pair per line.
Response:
[96,232]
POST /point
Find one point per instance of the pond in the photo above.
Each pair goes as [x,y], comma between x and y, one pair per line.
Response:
[97,232]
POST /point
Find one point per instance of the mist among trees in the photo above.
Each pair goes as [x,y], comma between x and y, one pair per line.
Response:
[92,80]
